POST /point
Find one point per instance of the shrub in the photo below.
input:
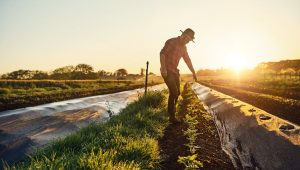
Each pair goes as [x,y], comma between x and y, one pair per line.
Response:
[4,91]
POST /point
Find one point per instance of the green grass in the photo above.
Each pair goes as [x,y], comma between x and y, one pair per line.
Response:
[127,141]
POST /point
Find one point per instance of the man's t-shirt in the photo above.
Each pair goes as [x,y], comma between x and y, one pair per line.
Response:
[173,50]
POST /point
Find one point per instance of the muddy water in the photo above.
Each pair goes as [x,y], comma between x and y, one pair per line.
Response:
[253,138]
[23,129]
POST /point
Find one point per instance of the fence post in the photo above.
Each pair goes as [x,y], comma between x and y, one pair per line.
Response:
[146,80]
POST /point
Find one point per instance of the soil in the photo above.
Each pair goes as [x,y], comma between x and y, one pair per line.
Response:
[173,142]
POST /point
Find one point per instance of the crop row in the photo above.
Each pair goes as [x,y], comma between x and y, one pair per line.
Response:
[27,98]
[283,88]
[282,107]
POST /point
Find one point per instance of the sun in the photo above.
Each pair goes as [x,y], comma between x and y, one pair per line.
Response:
[237,62]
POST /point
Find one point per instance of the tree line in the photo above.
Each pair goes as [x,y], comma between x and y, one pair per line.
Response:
[286,69]
[78,72]
[282,69]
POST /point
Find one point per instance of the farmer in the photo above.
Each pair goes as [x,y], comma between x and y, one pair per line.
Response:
[170,55]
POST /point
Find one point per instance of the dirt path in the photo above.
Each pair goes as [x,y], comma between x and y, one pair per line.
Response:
[173,142]
[22,130]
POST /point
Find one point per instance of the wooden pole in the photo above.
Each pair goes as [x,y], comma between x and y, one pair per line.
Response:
[146,80]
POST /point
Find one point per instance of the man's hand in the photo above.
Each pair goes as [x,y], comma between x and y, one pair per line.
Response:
[163,72]
[195,77]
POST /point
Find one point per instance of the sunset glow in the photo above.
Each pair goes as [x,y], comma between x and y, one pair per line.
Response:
[231,33]
[237,62]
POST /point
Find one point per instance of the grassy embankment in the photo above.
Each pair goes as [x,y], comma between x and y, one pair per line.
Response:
[127,141]
[23,93]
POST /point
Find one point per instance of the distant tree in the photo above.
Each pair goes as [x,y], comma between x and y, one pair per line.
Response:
[151,73]
[39,75]
[261,67]
[142,72]
[281,65]
[288,71]
[63,73]
[269,72]
[102,73]
[84,68]
[84,71]
[121,72]
[291,72]
[264,69]
[109,73]
[63,70]
[20,75]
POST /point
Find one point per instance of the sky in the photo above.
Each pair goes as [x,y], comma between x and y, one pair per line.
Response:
[45,35]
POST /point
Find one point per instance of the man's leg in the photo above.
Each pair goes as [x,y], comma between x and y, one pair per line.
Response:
[171,106]
[173,95]
[177,80]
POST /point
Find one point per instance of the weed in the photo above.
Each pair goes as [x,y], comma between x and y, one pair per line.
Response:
[191,133]
[109,109]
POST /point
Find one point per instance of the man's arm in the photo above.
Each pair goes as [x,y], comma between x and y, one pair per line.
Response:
[188,62]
